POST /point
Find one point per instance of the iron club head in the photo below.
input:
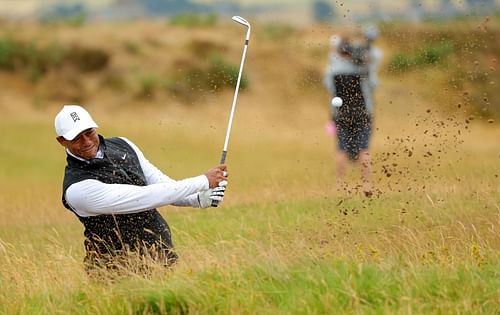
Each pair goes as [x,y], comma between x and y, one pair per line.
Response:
[239,19]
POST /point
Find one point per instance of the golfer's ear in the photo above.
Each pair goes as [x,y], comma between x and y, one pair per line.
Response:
[61,140]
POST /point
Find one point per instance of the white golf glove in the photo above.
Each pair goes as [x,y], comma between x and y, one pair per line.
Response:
[212,197]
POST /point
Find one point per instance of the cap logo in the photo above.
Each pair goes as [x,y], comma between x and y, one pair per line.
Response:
[75,117]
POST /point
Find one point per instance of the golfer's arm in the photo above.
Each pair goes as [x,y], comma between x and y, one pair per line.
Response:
[154,176]
[92,197]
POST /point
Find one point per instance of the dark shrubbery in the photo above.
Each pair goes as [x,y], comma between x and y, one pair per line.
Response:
[193,80]
[9,54]
[87,59]
[187,79]
[16,55]
[36,61]
[203,48]
[221,74]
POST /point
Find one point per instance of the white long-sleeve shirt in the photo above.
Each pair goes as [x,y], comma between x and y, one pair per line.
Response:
[91,197]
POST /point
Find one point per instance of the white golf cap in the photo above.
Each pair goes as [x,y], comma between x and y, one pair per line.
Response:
[72,120]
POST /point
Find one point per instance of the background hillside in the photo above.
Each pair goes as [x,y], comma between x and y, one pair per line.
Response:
[285,240]
[297,12]
[191,60]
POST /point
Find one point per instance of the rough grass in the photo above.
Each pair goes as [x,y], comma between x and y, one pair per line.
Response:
[274,247]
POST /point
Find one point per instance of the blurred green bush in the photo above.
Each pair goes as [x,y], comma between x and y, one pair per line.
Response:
[9,52]
[148,85]
[132,48]
[193,20]
[87,59]
[278,31]
[431,55]
[16,55]
[222,74]
[212,77]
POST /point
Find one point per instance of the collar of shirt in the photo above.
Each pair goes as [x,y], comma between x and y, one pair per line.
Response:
[99,155]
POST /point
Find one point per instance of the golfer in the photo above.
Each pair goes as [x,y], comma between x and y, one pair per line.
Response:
[352,76]
[114,191]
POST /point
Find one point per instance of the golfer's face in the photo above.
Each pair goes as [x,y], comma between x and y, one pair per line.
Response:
[85,145]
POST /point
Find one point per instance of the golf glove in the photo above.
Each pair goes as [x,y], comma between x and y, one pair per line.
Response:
[212,197]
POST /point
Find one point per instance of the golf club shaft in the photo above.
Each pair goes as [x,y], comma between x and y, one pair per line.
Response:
[233,108]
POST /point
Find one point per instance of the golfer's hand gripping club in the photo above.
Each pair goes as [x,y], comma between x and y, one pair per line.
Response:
[212,197]
[217,194]
[216,175]
[217,182]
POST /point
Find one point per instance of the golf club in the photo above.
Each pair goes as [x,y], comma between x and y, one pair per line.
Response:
[242,21]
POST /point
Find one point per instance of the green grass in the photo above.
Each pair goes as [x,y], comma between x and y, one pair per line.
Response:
[300,256]
[220,272]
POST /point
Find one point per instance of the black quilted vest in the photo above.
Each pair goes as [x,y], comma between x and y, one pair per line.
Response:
[110,235]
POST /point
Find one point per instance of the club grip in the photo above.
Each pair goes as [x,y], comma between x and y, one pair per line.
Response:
[223,157]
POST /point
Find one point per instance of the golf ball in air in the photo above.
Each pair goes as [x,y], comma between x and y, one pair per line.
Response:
[337,101]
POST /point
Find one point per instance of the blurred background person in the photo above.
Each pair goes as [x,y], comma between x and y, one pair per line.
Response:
[352,75]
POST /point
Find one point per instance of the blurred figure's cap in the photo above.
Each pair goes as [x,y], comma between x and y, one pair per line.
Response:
[72,120]
[335,41]
[371,32]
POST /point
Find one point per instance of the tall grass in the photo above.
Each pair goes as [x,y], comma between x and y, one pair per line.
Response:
[284,249]
[276,258]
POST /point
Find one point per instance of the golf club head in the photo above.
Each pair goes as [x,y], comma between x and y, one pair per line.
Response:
[239,19]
